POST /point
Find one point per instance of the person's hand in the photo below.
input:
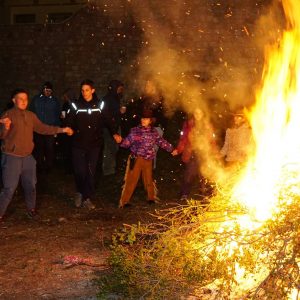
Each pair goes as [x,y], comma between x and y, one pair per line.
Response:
[69,131]
[123,109]
[174,152]
[117,138]
[63,114]
[6,122]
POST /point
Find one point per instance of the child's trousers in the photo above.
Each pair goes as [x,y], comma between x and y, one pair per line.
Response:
[132,177]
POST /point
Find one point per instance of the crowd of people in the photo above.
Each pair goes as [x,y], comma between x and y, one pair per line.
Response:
[94,130]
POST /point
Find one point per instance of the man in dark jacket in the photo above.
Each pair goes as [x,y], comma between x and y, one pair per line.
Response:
[87,118]
[112,103]
[47,109]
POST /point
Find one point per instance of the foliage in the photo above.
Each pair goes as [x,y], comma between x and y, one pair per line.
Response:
[202,250]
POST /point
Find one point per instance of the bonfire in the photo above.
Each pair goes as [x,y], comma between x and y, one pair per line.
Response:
[245,244]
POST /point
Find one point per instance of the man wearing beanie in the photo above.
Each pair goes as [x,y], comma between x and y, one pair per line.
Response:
[47,109]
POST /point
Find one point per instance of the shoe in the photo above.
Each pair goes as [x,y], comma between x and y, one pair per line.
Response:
[32,214]
[87,203]
[151,202]
[126,205]
[78,200]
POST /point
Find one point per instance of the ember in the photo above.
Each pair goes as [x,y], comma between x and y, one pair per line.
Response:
[245,244]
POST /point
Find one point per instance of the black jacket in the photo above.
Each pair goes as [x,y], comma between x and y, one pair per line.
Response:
[112,101]
[88,119]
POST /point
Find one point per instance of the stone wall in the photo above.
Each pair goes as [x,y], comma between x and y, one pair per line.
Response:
[102,41]
[87,46]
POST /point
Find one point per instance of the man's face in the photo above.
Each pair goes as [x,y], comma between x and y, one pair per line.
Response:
[87,92]
[47,92]
[21,100]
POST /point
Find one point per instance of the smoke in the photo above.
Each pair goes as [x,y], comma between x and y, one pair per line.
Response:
[195,51]
[203,55]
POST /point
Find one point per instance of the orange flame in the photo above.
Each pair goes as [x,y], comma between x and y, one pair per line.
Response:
[272,174]
[275,121]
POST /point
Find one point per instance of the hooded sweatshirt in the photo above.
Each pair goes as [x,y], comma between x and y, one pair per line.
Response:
[112,101]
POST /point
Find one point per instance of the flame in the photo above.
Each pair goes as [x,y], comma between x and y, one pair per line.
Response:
[275,121]
[271,176]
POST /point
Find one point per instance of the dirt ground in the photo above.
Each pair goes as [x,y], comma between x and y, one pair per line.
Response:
[60,256]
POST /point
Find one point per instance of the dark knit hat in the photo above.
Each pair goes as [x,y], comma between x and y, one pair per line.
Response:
[48,85]
[147,113]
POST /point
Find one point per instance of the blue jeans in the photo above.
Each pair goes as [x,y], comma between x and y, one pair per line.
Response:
[14,167]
